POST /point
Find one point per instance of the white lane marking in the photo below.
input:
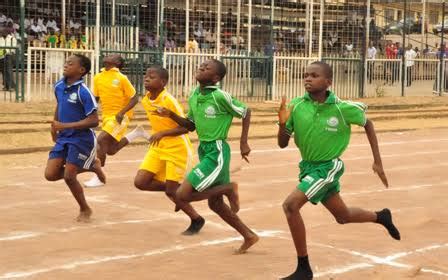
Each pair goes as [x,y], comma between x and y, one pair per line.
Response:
[105,259]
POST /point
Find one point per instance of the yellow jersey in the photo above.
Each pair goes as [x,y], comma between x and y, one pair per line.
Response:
[114,90]
[158,123]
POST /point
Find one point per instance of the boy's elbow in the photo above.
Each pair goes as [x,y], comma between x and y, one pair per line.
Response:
[369,124]
[191,128]
[248,113]
[282,145]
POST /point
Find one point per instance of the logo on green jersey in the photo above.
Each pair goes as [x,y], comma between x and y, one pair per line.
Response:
[333,121]
[210,112]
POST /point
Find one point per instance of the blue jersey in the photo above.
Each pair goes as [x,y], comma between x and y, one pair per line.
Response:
[75,103]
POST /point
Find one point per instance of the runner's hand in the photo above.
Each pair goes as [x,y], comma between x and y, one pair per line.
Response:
[119,117]
[283,112]
[162,112]
[155,138]
[378,169]
[245,151]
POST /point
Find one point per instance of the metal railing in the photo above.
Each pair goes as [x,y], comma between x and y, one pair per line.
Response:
[249,78]
[45,67]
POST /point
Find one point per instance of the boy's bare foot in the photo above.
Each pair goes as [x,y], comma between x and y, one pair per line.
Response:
[99,171]
[248,242]
[234,198]
[84,216]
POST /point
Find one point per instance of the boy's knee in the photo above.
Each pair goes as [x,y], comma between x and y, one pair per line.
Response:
[111,151]
[69,178]
[140,183]
[50,176]
[215,204]
[290,207]
[181,195]
[342,219]
[170,192]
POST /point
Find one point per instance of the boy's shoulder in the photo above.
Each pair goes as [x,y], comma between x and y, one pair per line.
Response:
[349,104]
[60,84]
[296,101]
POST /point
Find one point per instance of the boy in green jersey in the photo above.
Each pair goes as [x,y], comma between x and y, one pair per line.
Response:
[210,113]
[321,124]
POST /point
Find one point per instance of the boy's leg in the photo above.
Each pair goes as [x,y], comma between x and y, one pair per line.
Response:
[105,142]
[229,190]
[144,180]
[345,215]
[70,174]
[187,193]
[291,207]
[218,206]
[55,169]
[197,222]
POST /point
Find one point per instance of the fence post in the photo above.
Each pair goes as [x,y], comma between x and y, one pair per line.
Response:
[249,28]
[97,36]
[366,42]
[310,50]
[321,27]
[271,56]
[28,76]
[274,86]
[403,62]
[22,49]
[187,24]
[441,85]
[218,30]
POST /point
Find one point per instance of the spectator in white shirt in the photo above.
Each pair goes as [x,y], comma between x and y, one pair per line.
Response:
[28,23]
[2,18]
[409,56]
[371,54]
[36,28]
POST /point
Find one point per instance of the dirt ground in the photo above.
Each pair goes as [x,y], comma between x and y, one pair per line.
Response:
[136,235]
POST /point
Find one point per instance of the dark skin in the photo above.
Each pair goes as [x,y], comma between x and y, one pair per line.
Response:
[207,75]
[58,168]
[316,84]
[108,145]
[145,180]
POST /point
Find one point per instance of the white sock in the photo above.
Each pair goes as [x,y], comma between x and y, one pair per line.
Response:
[136,133]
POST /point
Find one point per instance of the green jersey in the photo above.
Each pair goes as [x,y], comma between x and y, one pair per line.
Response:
[322,130]
[212,111]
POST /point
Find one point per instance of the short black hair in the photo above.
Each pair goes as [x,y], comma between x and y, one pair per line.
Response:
[121,62]
[162,72]
[221,68]
[85,62]
[327,68]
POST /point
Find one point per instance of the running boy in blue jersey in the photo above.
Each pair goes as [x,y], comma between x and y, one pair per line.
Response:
[321,124]
[71,130]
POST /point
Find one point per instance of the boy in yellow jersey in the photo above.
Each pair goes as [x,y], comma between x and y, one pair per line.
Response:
[170,154]
[117,98]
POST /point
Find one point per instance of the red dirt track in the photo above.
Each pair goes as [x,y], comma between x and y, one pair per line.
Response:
[136,235]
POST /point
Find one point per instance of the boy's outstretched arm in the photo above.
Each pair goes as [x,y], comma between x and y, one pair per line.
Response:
[377,162]
[244,146]
[283,115]
[129,106]
[89,122]
[155,138]
[184,122]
